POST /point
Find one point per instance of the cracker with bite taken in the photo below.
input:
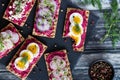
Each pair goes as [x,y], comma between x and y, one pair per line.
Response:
[75,27]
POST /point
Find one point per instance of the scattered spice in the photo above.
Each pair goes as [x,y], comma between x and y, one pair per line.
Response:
[61,10]
[33,71]
[26,25]
[55,45]
[3,4]
[101,70]
[21,30]
[65,40]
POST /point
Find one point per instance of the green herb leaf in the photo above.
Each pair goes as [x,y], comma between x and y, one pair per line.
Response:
[93,2]
[1,44]
[18,7]
[111,21]
[24,59]
[114,6]
[77,28]
[98,2]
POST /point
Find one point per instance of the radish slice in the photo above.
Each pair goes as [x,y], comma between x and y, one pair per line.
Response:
[44,12]
[4,35]
[15,37]
[65,78]
[59,62]
[57,73]
[9,32]
[56,78]
[3,49]
[43,25]
[8,43]
[62,64]
[53,65]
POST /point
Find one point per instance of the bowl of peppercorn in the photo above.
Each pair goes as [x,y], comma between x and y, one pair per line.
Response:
[101,70]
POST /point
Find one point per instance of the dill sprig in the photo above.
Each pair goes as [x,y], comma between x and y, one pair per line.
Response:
[112,20]
[77,27]
[93,2]
[24,59]
[18,7]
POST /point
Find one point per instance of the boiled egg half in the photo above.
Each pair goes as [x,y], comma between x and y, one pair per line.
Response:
[76,29]
[20,64]
[76,18]
[34,48]
[28,54]
[75,33]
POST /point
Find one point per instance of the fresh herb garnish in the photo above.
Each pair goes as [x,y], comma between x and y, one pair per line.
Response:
[18,7]
[1,44]
[93,2]
[77,28]
[24,59]
[111,25]
[111,18]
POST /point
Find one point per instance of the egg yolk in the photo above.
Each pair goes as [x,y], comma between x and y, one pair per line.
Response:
[25,54]
[76,39]
[76,30]
[76,19]
[33,48]
[21,64]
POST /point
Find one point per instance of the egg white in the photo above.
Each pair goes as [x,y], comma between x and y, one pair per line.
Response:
[38,49]
[75,14]
[17,60]
[30,54]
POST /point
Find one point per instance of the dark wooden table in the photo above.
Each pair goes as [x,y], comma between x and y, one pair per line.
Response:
[80,62]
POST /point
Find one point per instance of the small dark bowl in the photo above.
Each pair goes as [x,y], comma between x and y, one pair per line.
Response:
[101,70]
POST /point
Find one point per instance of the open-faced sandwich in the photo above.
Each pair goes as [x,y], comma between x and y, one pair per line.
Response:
[18,11]
[9,39]
[46,18]
[76,26]
[26,58]
[58,65]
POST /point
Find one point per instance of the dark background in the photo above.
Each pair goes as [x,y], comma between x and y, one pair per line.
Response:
[79,61]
